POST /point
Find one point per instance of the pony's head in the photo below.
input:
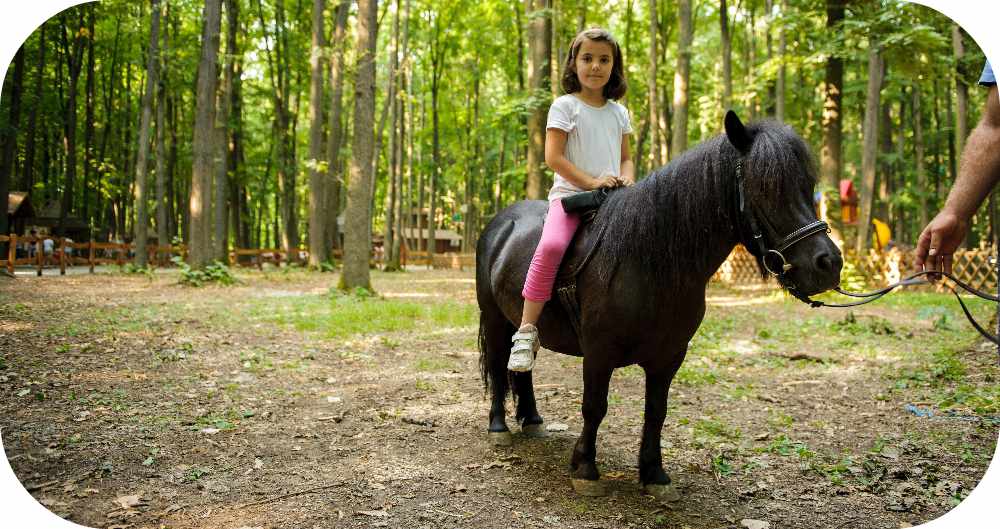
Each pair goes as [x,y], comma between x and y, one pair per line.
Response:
[777,222]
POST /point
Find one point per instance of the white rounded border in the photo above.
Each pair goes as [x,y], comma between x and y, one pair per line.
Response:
[979,18]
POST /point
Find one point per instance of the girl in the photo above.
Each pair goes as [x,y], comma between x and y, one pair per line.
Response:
[586,146]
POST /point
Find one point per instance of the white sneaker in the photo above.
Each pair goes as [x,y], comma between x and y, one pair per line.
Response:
[522,354]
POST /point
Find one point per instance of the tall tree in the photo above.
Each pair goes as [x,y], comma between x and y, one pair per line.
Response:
[8,136]
[280,71]
[357,243]
[961,90]
[317,187]
[88,119]
[392,233]
[727,56]
[869,155]
[162,223]
[38,94]
[830,152]
[682,77]
[918,153]
[141,164]
[653,94]
[335,134]
[221,194]
[74,63]
[203,144]
[539,64]
[779,88]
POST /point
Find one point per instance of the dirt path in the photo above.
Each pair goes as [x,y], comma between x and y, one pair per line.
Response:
[134,402]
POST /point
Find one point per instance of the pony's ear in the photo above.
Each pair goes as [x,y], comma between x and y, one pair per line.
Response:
[737,132]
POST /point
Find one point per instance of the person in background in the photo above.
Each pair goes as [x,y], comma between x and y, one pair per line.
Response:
[978,173]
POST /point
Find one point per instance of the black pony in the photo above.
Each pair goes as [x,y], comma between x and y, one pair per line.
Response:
[642,292]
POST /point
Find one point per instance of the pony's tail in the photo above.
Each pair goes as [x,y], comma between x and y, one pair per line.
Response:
[484,360]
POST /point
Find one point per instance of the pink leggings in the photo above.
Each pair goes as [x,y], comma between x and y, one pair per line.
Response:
[556,235]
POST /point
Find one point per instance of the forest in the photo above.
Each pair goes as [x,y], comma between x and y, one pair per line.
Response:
[259,123]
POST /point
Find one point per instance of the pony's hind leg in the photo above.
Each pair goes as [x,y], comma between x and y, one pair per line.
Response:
[495,332]
[527,410]
[583,465]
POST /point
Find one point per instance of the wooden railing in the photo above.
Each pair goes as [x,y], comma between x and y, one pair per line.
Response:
[65,254]
[974,266]
[91,253]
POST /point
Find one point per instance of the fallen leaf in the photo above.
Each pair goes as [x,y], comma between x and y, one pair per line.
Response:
[890,452]
[375,514]
[127,502]
[754,524]
[210,431]
[556,427]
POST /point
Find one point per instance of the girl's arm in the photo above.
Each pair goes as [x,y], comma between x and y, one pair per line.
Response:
[555,158]
[628,166]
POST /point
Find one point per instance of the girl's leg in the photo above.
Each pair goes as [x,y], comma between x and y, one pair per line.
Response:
[556,236]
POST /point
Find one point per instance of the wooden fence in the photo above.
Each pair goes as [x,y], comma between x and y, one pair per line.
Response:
[975,266]
[65,254]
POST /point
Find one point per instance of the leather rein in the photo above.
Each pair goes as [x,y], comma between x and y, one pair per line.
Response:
[779,266]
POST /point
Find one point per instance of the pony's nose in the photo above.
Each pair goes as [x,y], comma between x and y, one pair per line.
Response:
[828,262]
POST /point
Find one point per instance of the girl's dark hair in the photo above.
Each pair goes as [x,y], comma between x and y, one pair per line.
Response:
[616,87]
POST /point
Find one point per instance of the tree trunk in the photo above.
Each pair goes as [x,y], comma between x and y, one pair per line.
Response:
[203,146]
[88,127]
[142,153]
[539,66]
[357,243]
[392,233]
[918,148]
[74,60]
[869,156]
[221,188]
[961,91]
[727,57]
[651,87]
[830,152]
[779,89]
[28,175]
[317,187]
[678,131]
[334,139]
[8,138]
[162,222]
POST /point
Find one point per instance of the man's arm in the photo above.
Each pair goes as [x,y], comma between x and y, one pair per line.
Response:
[978,172]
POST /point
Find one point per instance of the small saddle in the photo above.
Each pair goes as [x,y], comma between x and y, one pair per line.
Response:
[586,205]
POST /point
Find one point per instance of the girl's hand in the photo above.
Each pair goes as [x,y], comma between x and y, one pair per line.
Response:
[609,181]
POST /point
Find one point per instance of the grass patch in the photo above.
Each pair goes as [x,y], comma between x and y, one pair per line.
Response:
[338,316]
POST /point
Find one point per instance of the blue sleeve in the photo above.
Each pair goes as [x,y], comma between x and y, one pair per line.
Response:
[988,79]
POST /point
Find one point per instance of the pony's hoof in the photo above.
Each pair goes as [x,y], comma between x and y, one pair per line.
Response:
[534,430]
[589,487]
[501,438]
[664,493]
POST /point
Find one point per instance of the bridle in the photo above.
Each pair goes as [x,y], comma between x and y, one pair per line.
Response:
[780,266]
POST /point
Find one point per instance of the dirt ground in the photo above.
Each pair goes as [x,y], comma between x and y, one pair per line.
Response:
[134,402]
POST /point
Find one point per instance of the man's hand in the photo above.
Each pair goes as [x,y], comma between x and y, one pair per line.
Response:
[939,240]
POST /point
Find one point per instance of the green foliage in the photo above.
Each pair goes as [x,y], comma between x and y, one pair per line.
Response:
[214,272]
[133,269]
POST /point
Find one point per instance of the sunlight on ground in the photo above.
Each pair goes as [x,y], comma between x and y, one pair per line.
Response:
[469,281]
[737,301]
[409,295]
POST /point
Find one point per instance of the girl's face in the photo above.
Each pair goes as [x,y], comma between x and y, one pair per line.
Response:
[593,64]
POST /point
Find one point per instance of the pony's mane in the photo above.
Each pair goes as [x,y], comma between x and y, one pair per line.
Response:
[672,221]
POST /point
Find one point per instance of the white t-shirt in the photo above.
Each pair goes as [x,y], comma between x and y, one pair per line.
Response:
[594,141]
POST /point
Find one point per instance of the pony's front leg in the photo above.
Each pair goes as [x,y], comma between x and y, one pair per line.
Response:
[654,479]
[583,465]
